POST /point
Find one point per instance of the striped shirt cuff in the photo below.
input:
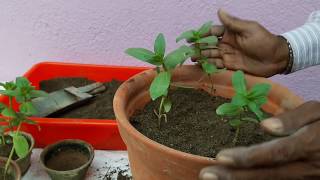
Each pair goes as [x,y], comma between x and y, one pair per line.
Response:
[305,43]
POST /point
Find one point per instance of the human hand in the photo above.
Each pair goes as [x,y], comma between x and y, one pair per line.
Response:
[248,46]
[296,156]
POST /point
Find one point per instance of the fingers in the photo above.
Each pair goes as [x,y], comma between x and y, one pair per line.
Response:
[216,30]
[303,144]
[295,170]
[216,61]
[211,53]
[288,122]
[232,23]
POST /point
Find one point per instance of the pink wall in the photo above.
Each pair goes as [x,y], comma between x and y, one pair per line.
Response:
[98,31]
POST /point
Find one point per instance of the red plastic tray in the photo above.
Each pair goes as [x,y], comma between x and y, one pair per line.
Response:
[102,134]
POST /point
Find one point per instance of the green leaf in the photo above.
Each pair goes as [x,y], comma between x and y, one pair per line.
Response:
[10,93]
[28,109]
[143,55]
[178,56]
[2,106]
[228,109]
[260,101]
[259,90]
[38,93]
[8,112]
[205,28]
[186,35]
[249,119]
[160,45]
[240,100]
[209,68]
[239,82]
[22,82]
[160,84]
[20,145]
[235,123]
[167,104]
[255,109]
[211,40]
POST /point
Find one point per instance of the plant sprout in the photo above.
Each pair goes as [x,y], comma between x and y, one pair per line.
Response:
[164,65]
[23,92]
[243,101]
[200,43]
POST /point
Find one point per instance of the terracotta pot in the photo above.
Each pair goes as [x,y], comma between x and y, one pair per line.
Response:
[13,172]
[59,159]
[151,160]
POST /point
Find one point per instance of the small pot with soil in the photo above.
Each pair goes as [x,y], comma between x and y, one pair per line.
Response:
[67,159]
[23,163]
[13,172]
[171,151]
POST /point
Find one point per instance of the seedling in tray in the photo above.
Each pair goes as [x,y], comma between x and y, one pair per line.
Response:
[164,64]
[22,91]
[243,101]
[197,37]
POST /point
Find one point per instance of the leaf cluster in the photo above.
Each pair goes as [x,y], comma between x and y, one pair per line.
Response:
[164,65]
[201,41]
[22,92]
[245,100]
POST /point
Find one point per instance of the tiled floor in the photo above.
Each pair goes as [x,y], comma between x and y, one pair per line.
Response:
[104,162]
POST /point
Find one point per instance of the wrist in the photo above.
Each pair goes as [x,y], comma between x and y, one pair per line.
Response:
[283,56]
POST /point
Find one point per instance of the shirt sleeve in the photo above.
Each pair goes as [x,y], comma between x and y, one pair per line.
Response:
[305,43]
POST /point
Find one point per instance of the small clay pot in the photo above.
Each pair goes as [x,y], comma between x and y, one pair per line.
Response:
[67,159]
[154,161]
[13,173]
[24,163]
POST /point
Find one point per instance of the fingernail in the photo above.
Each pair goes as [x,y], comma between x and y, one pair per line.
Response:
[225,159]
[273,124]
[209,176]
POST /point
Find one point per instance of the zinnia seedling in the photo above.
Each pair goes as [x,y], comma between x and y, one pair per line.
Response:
[23,92]
[197,37]
[164,65]
[244,100]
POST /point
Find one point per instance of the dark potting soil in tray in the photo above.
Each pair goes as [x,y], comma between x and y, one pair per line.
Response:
[100,107]
[193,125]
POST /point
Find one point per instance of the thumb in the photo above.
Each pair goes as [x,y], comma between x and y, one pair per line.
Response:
[232,23]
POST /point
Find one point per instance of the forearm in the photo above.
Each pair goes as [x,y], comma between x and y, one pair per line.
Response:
[305,43]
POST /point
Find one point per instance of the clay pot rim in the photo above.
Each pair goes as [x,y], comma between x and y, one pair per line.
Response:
[14,165]
[32,142]
[124,122]
[71,141]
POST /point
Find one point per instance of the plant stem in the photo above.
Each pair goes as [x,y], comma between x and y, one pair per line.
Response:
[11,153]
[10,102]
[160,111]
[212,91]
[235,139]
[3,140]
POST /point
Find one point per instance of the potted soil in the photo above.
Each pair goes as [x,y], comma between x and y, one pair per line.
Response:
[15,144]
[67,159]
[72,127]
[13,172]
[177,145]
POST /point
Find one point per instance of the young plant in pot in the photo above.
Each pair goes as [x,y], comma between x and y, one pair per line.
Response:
[160,85]
[200,42]
[152,158]
[67,159]
[15,144]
